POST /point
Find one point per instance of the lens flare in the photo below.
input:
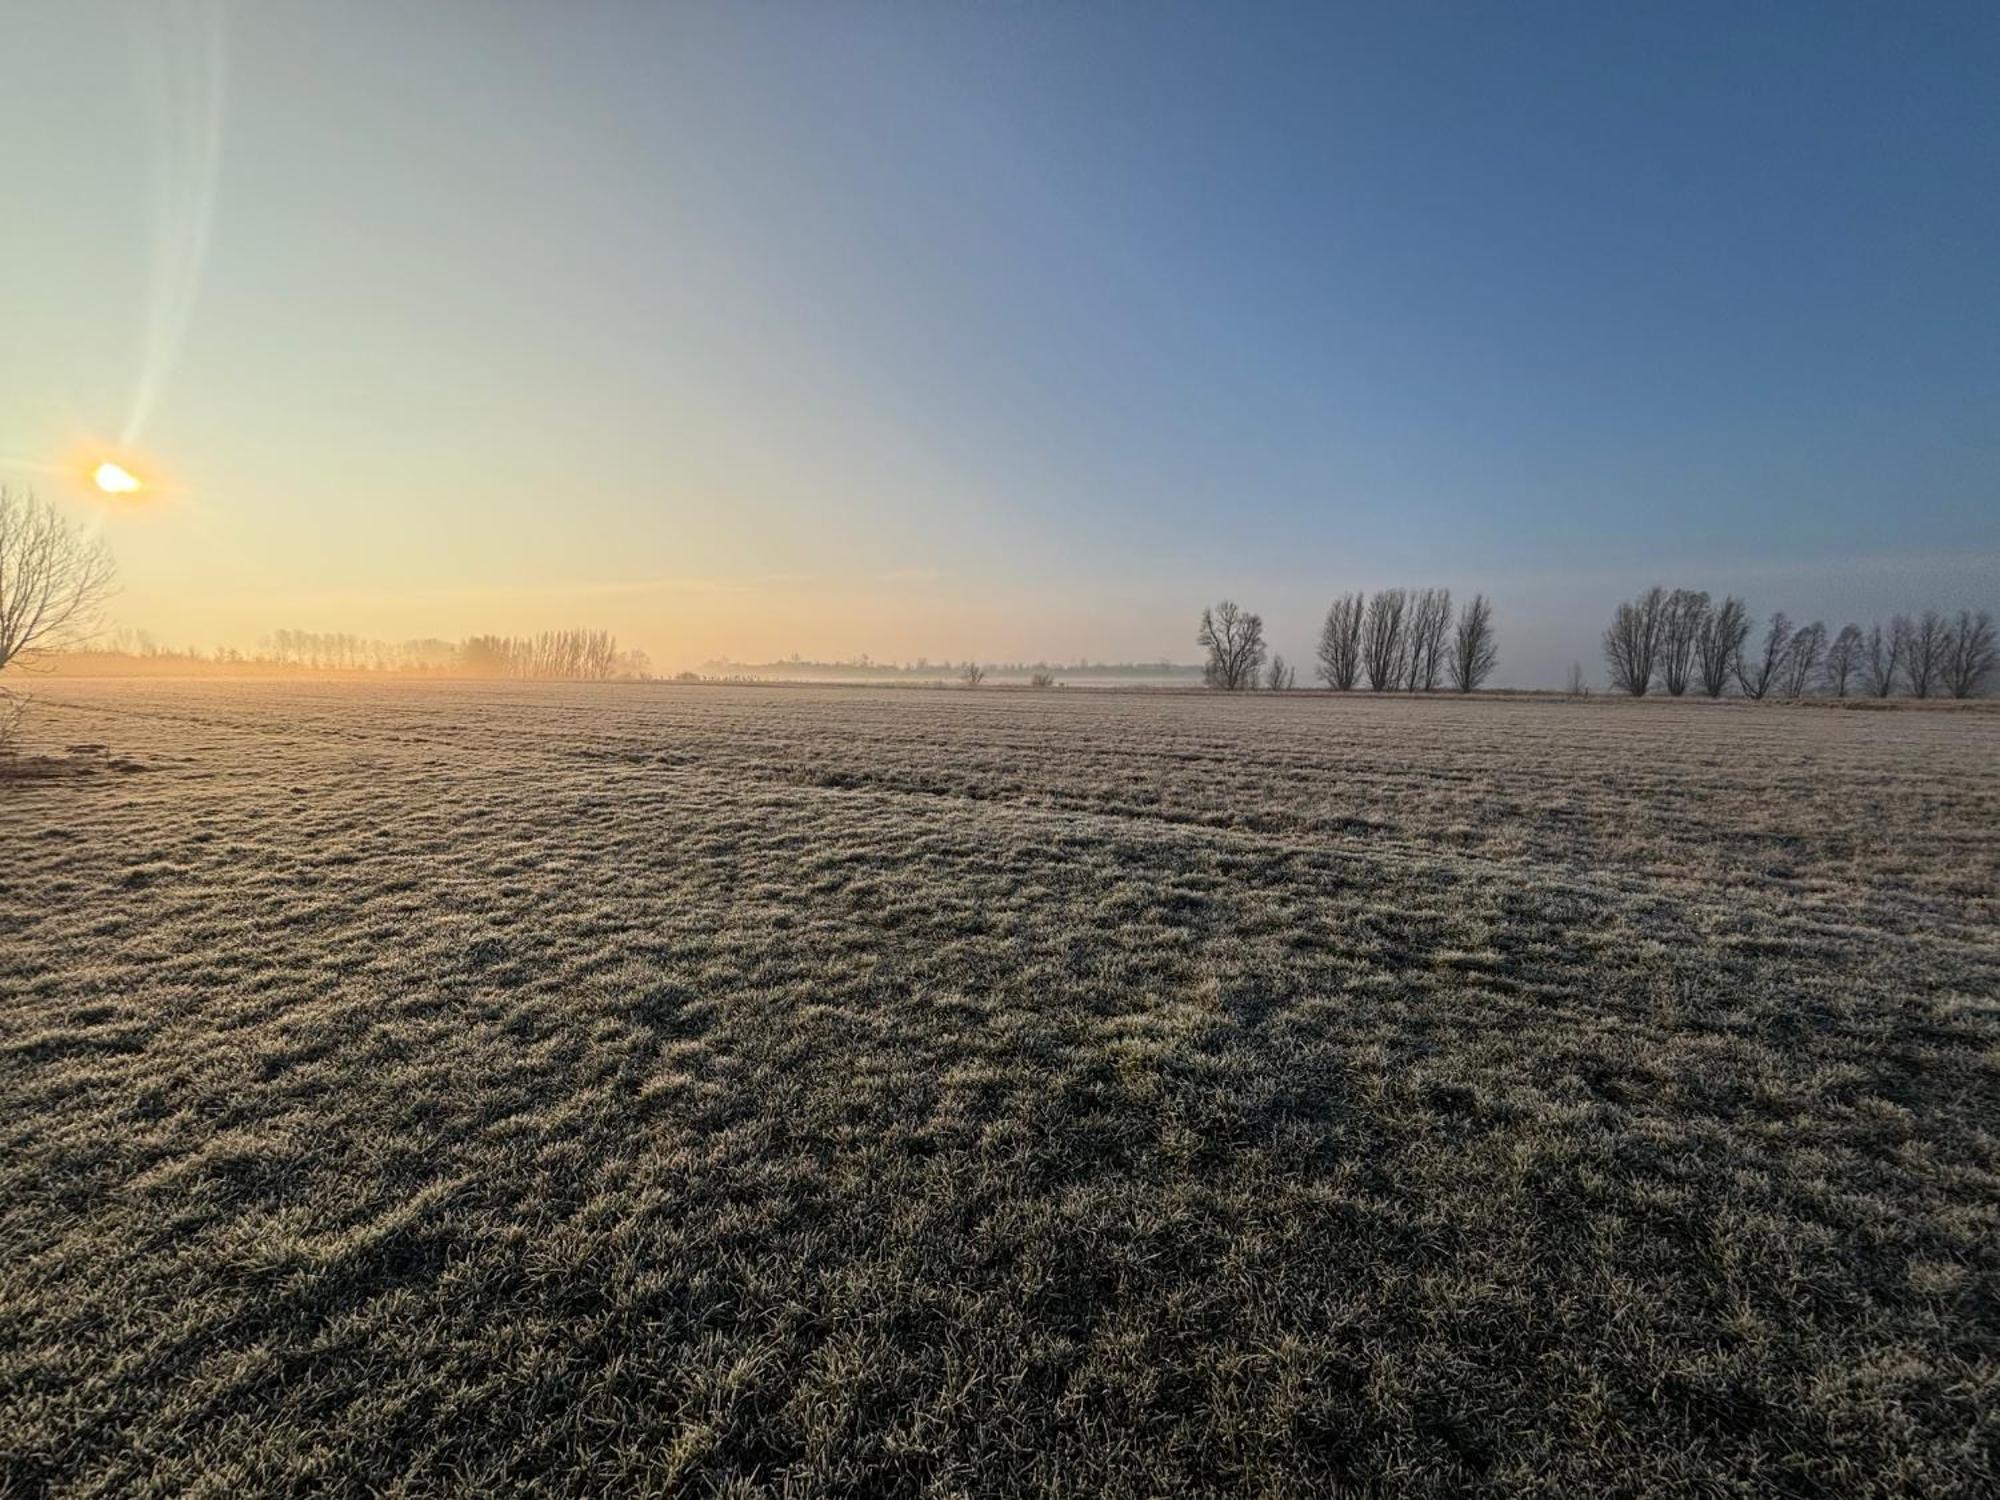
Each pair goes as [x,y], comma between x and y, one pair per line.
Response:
[181,57]
[114,479]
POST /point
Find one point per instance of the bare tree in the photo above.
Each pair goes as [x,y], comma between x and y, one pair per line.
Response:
[1281,678]
[1719,644]
[1759,679]
[1340,643]
[1632,644]
[1383,648]
[53,581]
[1969,653]
[1802,659]
[53,584]
[973,675]
[1430,638]
[1843,660]
[1041,679]
[1922,646]
[1883,658]
[1579,685]
[1235,641]
[1680,631]
[1474,653]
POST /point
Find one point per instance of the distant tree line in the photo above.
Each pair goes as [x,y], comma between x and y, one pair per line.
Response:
[575,655]
[1394,640]
[1677,639]
[339,651]
[922,667]
[569,655]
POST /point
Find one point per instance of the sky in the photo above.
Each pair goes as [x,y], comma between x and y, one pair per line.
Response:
[1008,331]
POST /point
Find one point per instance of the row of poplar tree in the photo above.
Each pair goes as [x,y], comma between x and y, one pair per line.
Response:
[1394,640]
[1674,640]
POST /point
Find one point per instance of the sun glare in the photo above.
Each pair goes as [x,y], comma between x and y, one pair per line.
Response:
[115,480]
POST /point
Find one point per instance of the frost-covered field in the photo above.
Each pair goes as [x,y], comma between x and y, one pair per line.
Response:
[851,1091]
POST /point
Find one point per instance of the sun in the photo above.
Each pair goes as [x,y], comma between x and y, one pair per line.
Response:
[114,479]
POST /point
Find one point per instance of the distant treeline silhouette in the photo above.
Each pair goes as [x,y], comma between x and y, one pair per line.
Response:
[572,655]
[576,655]
[1394,640]
[1677,639]
[865,666]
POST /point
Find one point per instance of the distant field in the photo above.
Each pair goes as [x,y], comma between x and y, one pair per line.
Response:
[428,1087]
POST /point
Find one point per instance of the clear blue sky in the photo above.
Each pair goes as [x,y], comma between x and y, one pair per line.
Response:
[1020,330]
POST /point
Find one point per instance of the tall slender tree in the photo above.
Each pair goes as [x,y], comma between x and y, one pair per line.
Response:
[1843,660]
[1758,678]
[1632,644]
[1383,647]
[1680,632]
[1473,651]
[1923,651]
[1802,659]
[1969,653]
[1430,634]
[1882,658]
[1340,642]
[1719,644]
